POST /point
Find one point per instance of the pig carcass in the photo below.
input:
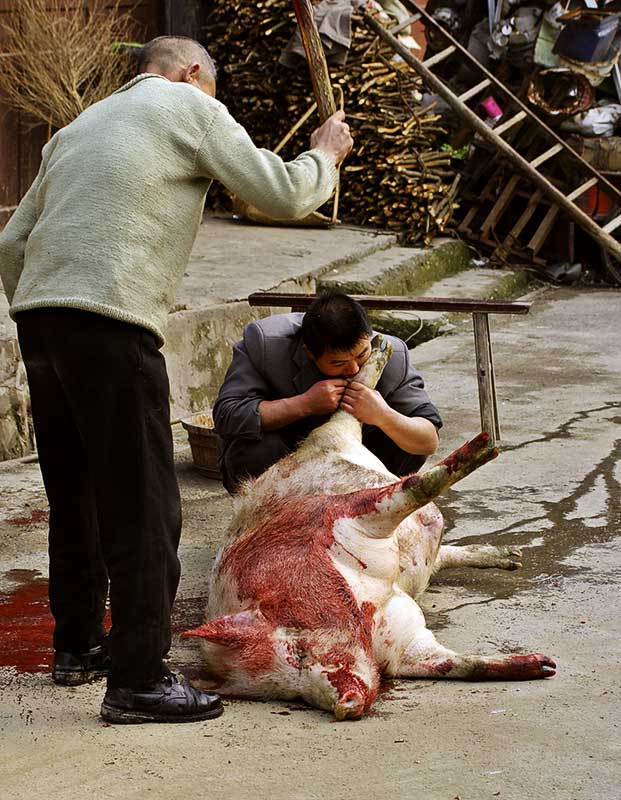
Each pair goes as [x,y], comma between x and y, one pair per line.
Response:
[312,594]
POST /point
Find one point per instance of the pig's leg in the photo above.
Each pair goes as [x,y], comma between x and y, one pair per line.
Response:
[480,556]
[378,511]
[407,649]
[372,369]
[419,537]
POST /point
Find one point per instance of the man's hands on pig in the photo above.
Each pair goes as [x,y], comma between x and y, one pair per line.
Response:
[324,397]
[366,404]
[412,434]
[333,138]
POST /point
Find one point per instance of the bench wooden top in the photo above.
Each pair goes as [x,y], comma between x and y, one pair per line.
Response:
[386,303]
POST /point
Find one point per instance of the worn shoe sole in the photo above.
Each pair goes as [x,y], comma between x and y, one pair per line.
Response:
[78,677]
[126,716]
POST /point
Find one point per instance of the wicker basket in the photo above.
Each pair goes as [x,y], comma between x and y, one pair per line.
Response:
[203,442]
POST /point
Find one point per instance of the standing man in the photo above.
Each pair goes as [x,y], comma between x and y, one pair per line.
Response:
[291,371]
[90,262]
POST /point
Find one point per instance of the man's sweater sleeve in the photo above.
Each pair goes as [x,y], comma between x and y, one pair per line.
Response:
[236,410]
[14,237]
[282,190]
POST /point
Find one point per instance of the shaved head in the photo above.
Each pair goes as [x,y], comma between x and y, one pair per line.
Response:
[173,56]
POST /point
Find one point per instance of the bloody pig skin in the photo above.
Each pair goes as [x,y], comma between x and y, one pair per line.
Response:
[312,595]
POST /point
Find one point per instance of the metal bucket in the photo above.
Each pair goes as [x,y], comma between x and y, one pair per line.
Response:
[203,443]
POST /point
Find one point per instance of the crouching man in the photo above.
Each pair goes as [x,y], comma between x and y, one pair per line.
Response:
[291,371]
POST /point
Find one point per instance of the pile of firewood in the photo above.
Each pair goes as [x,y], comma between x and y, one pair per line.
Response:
[398,176]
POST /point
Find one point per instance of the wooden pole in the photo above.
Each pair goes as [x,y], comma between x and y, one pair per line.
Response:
[316,57]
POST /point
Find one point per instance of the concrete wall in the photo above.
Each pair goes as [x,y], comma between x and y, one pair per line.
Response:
[198,352]
[16,438]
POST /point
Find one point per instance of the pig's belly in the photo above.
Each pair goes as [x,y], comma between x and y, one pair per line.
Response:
[369,566]
[356,453]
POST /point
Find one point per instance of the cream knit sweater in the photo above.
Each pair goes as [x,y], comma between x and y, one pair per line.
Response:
[109,222]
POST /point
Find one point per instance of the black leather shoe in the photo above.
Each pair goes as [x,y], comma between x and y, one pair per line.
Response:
[73,669]
[169,700]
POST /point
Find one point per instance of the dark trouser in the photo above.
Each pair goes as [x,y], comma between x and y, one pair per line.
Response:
[100,406]
[243,458]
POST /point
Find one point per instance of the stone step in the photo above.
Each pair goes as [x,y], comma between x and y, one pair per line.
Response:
[231,260]
[399,270]
[416,327]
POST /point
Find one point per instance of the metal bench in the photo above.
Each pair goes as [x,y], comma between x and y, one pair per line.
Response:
[480,310]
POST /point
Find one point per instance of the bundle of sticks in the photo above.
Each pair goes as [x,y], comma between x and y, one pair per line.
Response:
[398,176]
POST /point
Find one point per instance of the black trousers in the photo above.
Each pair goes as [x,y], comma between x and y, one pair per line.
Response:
[100,406]
[243,458]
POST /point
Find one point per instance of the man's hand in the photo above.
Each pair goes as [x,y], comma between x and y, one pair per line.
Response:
[324,397]
[367,405]
[333,138]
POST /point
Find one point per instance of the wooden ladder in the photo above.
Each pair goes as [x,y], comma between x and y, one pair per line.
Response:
[530,168]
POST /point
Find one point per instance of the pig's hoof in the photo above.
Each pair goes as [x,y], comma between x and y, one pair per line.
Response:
[509,558]
[530,667]
[547,667]
[349,706]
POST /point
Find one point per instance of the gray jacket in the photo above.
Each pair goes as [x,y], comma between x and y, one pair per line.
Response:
[269,364]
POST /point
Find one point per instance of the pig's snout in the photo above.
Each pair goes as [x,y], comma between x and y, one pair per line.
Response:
[351,705]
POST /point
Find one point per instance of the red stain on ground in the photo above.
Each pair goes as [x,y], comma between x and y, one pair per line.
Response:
[36,516]
[26,625]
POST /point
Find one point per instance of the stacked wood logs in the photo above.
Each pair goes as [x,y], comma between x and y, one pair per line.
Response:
[398,176]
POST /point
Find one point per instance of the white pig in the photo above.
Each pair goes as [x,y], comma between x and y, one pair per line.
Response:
[312,595]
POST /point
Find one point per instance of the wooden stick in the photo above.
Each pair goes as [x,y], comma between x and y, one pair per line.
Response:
[295,128]
[317,64]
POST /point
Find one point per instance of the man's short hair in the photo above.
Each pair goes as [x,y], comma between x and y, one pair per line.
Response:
[334,321]
[168,51]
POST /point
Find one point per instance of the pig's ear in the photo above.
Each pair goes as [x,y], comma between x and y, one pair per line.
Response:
[233,630]
[246,635]
[230,627]
[379,511]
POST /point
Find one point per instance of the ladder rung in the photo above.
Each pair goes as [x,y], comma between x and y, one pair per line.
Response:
[439,56]
[528,212]
[543,230]
[501,204]
[405,24]
[504,126]
[612,225]
[475,90]
[547,155]
[582,189]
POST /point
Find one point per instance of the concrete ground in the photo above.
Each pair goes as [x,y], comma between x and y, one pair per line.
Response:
[554,490]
